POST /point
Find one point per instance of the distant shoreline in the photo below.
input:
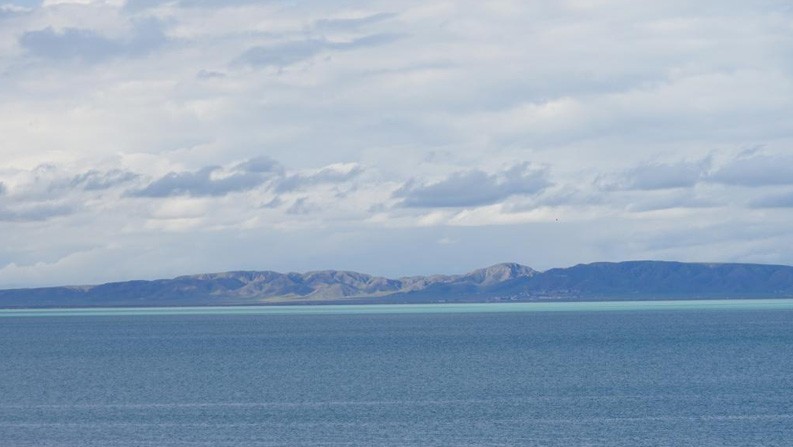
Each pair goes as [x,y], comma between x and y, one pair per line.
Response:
[505,282]
[374,302]
[351,309]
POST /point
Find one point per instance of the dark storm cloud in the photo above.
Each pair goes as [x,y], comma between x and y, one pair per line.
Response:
[474,187]
[89,46]
[212,180]
[288,53]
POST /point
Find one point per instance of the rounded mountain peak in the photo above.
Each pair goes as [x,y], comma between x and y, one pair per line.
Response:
[500,272]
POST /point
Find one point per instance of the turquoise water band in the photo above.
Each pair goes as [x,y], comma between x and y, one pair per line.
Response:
[349,309]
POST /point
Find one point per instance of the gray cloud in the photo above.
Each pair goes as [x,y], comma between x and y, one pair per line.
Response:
[350,24]
[212,180]
[288,53]
[282,55]
[565,195]
[656,176]
[260,165]
[784,200]
[274,203]
[209,74]
[138,5]
[199,183]
[301,206]
[95,180]
[669,202]
[474,187]
[3,188]
[89,46]
[756,169]
[751,168]
[48,181]
[328,174]
[34,212]
[9,11]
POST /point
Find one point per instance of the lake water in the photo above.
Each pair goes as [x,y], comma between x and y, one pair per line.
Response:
[690,373]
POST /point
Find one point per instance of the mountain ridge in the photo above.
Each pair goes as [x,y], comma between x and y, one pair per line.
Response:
[642,280]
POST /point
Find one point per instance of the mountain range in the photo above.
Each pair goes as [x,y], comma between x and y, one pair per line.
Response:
[633,280]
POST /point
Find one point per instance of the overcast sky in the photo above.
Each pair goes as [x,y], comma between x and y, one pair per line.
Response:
[150,138]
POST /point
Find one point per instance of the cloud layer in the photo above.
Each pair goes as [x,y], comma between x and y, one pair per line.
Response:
[88,46]
[147,138]
[474,188]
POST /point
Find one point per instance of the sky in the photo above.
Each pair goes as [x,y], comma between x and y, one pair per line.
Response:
[145,139]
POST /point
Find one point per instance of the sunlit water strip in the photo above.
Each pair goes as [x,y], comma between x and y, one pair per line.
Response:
[351,309]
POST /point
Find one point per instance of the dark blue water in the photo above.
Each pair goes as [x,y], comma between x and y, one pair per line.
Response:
[661,378]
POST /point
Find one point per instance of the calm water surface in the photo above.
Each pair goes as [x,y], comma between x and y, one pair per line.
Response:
[671,376]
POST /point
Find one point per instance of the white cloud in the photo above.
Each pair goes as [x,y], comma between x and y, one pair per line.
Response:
[132,121]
